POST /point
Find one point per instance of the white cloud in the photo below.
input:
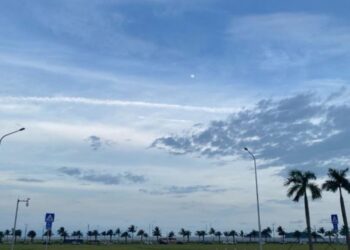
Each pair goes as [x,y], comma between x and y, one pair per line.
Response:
[113,102]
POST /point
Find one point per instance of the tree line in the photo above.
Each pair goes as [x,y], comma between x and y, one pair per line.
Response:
[299,184]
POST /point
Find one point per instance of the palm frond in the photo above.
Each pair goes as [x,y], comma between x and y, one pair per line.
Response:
[293,189]
[315,191]
[330,185]
[309,175]
[299,194]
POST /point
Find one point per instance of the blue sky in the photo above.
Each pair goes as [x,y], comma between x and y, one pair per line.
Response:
[129,102]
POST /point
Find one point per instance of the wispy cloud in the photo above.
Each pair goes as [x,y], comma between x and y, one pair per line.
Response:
[30,180]
[102,178]
[182,190]
[112,102]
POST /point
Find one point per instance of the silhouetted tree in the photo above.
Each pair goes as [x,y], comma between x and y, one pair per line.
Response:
[182,233]
[141,234]
[31,234]
[110,234]
[212,232]
[48,234]
[171,235]
[281,232]
[201,233]
[157,233]
[2,235]
[218,234]
[63,233]
[336,182]
[329,234]
[132,230]
[95,234]
[188,235]
[299,183]
[233,234]
[297,234]
[7,234]
[125,235]
[266,233]
[117,232]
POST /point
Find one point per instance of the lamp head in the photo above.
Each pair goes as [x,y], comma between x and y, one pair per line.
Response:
[21,129]
[245,148]
[27,202]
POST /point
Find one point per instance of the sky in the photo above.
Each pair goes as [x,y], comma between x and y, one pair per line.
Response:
[136,112]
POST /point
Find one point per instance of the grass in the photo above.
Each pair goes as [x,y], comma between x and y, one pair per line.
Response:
[173,247]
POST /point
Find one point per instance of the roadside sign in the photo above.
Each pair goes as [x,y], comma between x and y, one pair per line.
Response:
[334,219]
[49,217]
[48,225]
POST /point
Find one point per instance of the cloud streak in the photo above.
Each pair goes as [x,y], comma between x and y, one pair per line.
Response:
[112,102]
[102,178]
[183,190]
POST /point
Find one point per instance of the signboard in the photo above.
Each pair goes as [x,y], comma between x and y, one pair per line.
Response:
[49,219]
[48,225]
[334,219]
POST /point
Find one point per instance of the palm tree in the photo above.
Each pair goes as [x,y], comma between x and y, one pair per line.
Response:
[95,233]
[89,234]
[336,182]
[104,235]
[212,232]
[233,234]
[281,232]
[141,234]
[182,233]
[201,233]
[321,230]
[62,232]
[18,233]
[110,234]
[7,234]
[125,235]
[48,234]
[218,234]
[171,235]
[329,233]
[132,230]
[241,234]
[226,234]
[314,235]
[157,233]
[188,235]
[266,233]
[31,234]
[297,234]
[300,182]
[79,234]
[2,235]
[117,232]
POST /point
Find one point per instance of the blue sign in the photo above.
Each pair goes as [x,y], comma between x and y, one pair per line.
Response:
[48,225]
[334,219]
[49,217]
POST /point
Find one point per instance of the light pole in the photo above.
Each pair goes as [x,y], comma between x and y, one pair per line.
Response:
[257,197]
[15,223]
[19,130]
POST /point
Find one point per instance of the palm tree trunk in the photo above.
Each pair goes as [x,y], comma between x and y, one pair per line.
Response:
[345,220]
[308,226]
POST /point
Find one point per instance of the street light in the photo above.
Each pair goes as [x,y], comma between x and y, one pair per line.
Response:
[19,130]
[257,197]
[15,223]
